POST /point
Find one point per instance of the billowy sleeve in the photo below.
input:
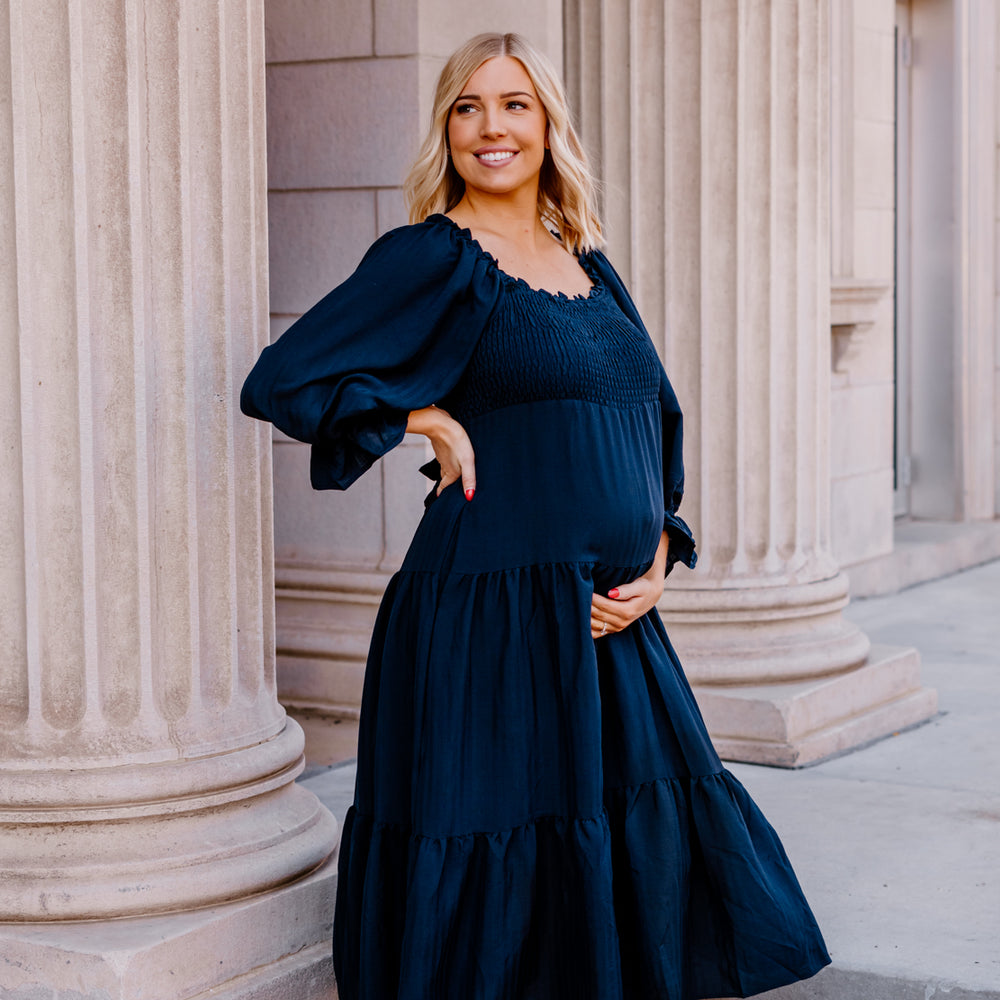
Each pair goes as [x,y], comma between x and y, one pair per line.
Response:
[394,337]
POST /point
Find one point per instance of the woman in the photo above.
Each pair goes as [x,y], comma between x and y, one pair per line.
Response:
[539,812]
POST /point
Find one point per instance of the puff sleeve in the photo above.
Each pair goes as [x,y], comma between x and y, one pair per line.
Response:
[682,543]
[394,337]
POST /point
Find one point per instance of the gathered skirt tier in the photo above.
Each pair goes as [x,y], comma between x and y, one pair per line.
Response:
[542,816]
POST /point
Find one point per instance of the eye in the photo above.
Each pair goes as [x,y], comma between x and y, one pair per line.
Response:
[464,109]
[516,106]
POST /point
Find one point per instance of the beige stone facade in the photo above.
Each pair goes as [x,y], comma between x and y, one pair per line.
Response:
[802,195]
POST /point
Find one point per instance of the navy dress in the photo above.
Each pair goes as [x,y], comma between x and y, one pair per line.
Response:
[537,815]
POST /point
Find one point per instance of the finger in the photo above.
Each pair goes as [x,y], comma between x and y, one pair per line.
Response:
[617,616]
[600,628]
[625,591]
[613,618]
[605,607]
[601,615]
[469,477]
[612,626]
[447,478]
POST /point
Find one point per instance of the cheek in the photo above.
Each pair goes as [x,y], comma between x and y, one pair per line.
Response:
[454,131]
[458,135]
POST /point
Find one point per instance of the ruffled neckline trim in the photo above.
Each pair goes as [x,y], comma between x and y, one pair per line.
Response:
[465,235]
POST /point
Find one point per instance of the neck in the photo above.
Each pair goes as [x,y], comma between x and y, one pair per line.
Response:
[512,217]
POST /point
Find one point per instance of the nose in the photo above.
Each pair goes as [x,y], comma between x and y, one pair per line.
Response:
[492,125]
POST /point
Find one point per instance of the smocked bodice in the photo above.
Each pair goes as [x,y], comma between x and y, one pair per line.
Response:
[544,346]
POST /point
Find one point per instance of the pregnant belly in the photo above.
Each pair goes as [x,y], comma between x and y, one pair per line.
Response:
[556,481]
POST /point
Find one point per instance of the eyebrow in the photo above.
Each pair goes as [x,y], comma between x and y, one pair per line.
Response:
[510,93]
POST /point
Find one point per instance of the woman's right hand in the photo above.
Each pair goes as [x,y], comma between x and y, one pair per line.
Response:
[451,445]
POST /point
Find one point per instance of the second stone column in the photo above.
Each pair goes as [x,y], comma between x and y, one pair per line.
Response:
[717,207]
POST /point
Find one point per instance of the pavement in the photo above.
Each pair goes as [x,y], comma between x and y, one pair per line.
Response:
[897,844]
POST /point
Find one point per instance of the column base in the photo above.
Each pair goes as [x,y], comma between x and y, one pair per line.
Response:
[799,723]
[145,838]
[762,631]
[275,946]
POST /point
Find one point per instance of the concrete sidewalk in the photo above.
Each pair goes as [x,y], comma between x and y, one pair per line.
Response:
[897,845]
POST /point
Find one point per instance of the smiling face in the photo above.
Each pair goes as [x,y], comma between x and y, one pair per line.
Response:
[497,131]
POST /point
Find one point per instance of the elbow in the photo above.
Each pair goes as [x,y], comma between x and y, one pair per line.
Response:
[253,396]
[247,404]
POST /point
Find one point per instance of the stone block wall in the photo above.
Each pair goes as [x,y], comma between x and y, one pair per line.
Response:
[341,130]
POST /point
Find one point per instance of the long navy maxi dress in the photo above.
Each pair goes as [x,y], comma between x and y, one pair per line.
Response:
[537,815]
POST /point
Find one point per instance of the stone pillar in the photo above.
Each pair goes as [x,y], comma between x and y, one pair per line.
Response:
[976,349]
[715,162]
[146,764]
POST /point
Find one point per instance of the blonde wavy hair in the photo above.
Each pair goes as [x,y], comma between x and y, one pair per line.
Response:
[566,191]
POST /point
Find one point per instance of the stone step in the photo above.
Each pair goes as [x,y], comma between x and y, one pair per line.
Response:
[925,550]
[803,722]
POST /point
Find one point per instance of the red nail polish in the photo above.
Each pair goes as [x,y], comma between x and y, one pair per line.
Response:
[469,494]
[613,593]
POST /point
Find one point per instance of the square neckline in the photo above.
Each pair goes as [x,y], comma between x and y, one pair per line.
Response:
[464,233]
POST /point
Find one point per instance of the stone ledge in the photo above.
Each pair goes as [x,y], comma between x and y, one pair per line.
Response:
[307,975]
[925,550]
[801,723]
[325,617]
[268,947]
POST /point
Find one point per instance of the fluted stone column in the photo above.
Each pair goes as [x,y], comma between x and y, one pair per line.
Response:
[145,764]
[710,122]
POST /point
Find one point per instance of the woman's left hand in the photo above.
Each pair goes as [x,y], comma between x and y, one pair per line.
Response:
[629,601]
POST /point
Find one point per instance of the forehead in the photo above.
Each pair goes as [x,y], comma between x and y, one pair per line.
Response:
[499,75]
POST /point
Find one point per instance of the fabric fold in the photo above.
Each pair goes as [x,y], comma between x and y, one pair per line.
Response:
[678,888]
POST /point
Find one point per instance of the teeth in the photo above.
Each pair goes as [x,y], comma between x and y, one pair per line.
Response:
[494,157]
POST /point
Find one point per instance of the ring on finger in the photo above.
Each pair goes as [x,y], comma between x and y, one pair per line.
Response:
[604,628]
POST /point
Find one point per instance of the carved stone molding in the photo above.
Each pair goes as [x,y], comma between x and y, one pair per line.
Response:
[325,618]
[854,305]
